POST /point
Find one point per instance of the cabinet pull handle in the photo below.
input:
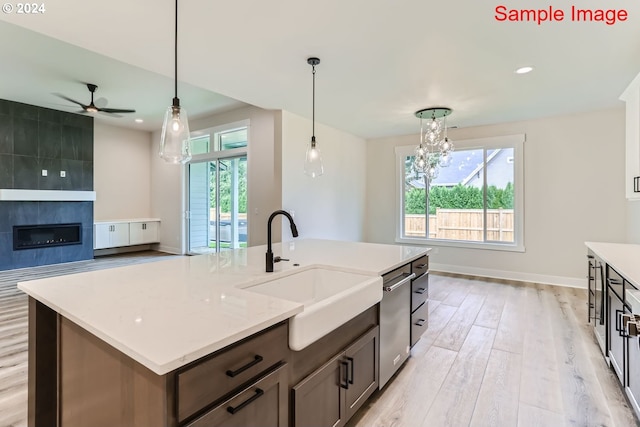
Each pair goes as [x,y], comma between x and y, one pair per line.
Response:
[421,266]
[421,291]
[420,322]
[619,325]
[352,363]
[344,385]
[233,410]
[241,369]
[395,286]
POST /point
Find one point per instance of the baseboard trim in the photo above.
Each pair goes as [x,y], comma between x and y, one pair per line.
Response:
[570,282]
[170,250]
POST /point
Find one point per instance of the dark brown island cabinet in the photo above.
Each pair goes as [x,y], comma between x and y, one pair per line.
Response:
[249,383]
[419,296]
[78,380]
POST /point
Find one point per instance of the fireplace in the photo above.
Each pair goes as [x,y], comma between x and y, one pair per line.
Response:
[46,235]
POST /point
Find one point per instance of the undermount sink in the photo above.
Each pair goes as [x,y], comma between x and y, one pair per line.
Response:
[330,298]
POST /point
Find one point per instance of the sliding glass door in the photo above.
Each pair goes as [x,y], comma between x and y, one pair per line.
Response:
[217,191]
[217,215]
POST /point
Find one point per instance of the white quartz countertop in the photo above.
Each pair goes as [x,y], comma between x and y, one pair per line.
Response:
[623,257]
[168,313]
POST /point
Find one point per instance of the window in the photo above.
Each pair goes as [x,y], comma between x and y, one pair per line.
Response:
[220,138]
[476,201]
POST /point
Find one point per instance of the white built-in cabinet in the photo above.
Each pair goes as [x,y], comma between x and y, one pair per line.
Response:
[143,232]
[114,234]
[631,97]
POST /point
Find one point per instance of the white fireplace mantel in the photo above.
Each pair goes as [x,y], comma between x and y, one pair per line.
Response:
[46,195]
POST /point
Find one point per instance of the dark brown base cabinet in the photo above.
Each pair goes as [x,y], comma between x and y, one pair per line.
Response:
[76,379]
[263,403]
[90,383]
[419,296]
[334,392]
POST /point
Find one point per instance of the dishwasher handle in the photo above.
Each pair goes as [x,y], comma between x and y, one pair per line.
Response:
[395,286]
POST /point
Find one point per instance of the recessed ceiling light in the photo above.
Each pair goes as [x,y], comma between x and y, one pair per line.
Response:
[139,120]
[524,70]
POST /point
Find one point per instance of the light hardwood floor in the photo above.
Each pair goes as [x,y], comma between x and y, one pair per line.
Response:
[496,353]
[500,353]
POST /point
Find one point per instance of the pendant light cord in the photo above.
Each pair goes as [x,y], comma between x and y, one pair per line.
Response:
[175,47]
[313,104]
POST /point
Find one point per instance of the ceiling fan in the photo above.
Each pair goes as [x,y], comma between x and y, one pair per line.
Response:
[92,108]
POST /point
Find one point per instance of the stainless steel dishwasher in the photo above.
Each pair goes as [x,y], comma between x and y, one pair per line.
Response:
[395,312]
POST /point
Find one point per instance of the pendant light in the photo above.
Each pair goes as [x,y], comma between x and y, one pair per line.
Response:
[175,142]
[313,159]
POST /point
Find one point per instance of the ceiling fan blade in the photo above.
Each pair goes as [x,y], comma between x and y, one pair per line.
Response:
[70,100]
[115,110]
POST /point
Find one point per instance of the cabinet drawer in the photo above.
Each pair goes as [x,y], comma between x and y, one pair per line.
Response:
[420,266]
[419,291]
[262,404]
[419,322]
[205,382]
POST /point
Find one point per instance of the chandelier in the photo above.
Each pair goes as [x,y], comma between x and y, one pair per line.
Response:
[434,150]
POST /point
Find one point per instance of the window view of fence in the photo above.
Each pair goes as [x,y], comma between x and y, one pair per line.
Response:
[472,199]
[462,224]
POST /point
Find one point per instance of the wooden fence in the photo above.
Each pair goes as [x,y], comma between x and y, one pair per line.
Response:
[463,224]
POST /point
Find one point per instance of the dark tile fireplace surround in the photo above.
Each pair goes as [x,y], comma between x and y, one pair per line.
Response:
[32,139]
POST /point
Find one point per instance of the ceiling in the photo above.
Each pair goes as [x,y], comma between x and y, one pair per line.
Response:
[381,60]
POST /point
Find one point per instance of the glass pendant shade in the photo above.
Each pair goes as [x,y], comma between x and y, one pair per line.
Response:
[175,142]
[434,150]
[313,161]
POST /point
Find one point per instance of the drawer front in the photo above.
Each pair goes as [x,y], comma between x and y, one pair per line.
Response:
[420,266]
[419,291]
[206,382]
[419,322]
[262,404]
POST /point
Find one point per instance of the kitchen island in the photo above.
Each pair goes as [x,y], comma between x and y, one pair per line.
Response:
[120,344]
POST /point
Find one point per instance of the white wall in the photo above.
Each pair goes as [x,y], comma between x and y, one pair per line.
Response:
[330,206]
[121,173]
[633,222]
[264,178]
[574,192]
